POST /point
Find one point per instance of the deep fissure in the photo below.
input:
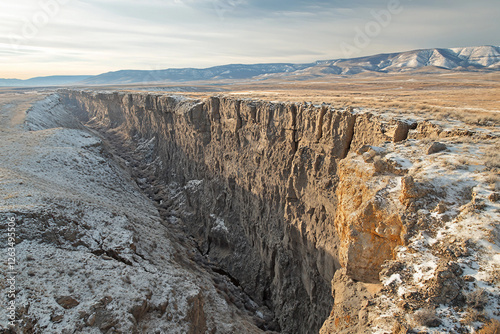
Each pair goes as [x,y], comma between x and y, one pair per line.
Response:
[251,182]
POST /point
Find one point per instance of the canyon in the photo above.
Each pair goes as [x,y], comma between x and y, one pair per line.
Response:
[309,218]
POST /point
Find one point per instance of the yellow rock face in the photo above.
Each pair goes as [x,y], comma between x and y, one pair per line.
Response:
[368,219]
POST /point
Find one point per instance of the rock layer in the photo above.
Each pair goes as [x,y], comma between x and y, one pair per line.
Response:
[267,196]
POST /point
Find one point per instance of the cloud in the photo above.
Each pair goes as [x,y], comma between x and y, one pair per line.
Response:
[102,35]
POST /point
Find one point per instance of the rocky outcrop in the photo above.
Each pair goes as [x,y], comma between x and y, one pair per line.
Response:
[290,201]
[368,219]
[349,312]
[265,208]
[89,251]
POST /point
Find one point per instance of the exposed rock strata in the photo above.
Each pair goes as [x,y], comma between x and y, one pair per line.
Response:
[270,173]
[281,196]
[90,252]
[369,219]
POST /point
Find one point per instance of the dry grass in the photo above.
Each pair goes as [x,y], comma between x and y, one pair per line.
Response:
[18,102]
[493,181]
[472,98]
[426,317]
[399,329]
[492,155]
[477,299]
[462,163]
[469,97]
[10,196]
[492,327]
[471,316]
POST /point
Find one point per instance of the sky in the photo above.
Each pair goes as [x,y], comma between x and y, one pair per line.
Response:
[89,37]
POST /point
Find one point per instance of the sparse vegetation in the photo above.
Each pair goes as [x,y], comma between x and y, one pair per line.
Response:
[471,315]
[492,156]
[492,327]
[477,299]
[434,108]
[399,329]
[426,317]
[467,97]
[10,196]
[462,164]
[493,181]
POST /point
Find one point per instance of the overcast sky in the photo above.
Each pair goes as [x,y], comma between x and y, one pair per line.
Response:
[52,37]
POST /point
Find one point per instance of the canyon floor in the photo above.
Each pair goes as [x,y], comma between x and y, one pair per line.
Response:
[401,227]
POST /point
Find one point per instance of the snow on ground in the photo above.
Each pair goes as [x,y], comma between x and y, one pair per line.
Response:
[92,253]
[49,113]
[463,228]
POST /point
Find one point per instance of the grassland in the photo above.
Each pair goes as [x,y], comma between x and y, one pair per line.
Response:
[472,97]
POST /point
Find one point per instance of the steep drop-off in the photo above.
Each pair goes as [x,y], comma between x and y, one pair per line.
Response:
[266,203]
[293,202]
[89,252]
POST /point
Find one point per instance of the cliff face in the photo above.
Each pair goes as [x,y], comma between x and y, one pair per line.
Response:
[149,213]
[265,207]
[92,254]
[368,219]
[296,203]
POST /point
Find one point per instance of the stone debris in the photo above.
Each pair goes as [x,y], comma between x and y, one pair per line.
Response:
[436,147]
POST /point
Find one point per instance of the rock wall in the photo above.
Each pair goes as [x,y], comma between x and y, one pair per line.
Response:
[271,207]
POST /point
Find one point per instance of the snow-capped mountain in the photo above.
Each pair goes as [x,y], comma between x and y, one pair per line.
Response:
[481,58]
[470,58]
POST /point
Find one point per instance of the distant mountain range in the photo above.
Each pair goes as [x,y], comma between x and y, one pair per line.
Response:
[55,80]
[482,58]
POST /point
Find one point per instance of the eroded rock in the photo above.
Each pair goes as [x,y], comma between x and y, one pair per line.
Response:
[436,147]
[67,302]
[367,221]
